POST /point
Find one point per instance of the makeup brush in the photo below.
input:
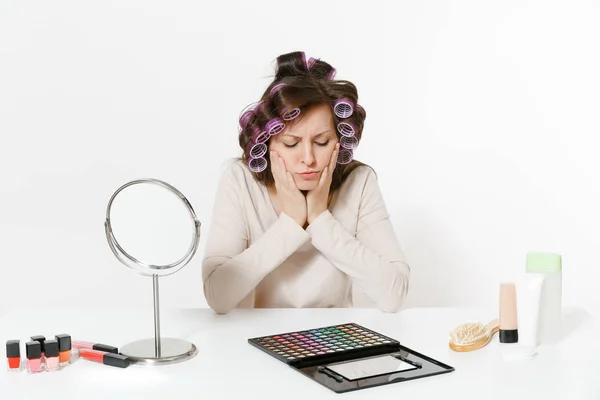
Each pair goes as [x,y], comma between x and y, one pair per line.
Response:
[472,335]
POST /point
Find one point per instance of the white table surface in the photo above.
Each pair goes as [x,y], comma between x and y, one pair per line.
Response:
[226,364]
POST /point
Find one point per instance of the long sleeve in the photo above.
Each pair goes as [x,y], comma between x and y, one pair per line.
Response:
[230,269]
[372,259]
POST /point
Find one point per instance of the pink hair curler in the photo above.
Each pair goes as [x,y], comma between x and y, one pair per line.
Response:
[343,108]
[257,164]
[345,156]
[276,88]
[245,118]
[259,108]
[290,115]
[304,60]
[256,150]
[258,136]
[349,142]
[331,74]
[346,128]
[274,126]
[311,61]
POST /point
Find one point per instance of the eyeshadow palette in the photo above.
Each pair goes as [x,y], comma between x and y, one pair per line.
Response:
[348,357]
[291,346]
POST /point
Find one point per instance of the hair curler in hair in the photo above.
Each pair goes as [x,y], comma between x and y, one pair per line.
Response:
[256,150]
[311,61]
[274,126]
[346,129]
[245,118]
[276,88]
[258,136]
[291,114]
[343,108]
[349,142]
[331,74]
[257,164]
[345,156]
[259,107]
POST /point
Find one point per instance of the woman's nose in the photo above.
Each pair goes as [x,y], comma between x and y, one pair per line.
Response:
[309,156]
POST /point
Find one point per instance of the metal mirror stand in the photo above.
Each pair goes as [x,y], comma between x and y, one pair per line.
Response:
[156,351]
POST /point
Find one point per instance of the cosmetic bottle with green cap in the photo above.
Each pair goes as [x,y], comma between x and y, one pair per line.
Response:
[549,266]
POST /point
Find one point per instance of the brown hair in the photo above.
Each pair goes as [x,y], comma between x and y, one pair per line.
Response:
[305,87]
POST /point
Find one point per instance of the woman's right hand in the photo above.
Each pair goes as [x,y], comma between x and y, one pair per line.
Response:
[291,199]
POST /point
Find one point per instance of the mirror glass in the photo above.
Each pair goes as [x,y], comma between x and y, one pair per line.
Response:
[152,224]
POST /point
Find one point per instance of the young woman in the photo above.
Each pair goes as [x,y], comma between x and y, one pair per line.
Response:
[297,221]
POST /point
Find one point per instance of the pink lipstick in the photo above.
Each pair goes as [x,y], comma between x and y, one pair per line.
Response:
[78,344]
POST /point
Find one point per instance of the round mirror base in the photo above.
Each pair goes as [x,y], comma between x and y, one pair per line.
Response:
[171,351]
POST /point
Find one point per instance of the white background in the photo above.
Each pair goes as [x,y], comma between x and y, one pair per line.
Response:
[482,127]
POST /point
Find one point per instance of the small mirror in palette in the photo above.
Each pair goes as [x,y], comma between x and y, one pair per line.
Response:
[349,357]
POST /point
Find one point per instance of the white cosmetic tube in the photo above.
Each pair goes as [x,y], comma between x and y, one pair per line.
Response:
[529,292]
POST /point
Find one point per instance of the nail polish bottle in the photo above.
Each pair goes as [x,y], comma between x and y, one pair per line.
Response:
[64,349]
[41,339]
[51,355]
[13,353]
[33,352]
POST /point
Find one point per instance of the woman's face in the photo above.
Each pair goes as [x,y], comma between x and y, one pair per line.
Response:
[306,146]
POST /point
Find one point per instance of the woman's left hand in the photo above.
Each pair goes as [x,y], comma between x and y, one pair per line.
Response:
[316,199]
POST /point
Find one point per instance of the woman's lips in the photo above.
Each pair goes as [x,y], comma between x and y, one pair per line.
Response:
[309,175]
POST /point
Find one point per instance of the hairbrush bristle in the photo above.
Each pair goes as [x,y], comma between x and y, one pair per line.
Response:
[468,333]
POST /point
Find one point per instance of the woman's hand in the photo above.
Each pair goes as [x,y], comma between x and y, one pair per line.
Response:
[291,199]
[316,199]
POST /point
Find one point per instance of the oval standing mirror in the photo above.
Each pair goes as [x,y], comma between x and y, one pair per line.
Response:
[152,228]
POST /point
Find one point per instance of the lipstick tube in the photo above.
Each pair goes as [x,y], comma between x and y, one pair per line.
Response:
[13,354]
[52,359]
[112,359]
[64,349]
[78,344]
[33,352]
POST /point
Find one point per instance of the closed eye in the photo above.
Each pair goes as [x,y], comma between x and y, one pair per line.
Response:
[317,143]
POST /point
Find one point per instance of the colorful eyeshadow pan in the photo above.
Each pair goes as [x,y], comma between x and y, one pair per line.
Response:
[321,342]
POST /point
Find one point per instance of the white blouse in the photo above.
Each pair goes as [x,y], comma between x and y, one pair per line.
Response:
[256,258]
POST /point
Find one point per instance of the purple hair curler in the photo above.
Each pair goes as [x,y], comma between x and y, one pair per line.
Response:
[276,88]
[259,137]
[256,150]
[290,115]
[331,74]
[346,128]
[311,61]
[343,108]
[345,156]
[349,142]
[304,60]
[259,107]
[245,118]
[274,126]
[257,164]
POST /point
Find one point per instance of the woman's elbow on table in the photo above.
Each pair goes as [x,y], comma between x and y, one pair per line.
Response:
[217,303]
[397,290]
[215,293]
